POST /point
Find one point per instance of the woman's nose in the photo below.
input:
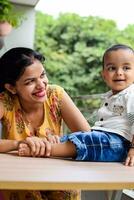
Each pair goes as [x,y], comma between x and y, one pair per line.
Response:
[40,83]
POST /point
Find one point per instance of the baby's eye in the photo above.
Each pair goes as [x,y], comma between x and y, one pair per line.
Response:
[126,68]
[111,68]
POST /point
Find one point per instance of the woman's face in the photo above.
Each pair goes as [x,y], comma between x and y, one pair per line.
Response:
[31,86]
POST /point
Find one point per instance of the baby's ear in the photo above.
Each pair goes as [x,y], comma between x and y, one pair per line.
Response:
[103,75]
[10,88]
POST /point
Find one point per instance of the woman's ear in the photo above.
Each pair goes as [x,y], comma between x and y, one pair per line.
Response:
[10,88]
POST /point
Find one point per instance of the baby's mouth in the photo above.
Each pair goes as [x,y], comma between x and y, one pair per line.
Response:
[119,80]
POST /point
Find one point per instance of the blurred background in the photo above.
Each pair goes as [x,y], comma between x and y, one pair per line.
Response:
[72,35]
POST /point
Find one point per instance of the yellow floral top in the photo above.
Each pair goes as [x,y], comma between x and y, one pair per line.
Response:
[14,126]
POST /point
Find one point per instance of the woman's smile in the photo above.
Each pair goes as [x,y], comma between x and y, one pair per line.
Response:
[40,93]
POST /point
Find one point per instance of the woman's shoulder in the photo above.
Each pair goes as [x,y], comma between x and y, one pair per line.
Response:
[7,100]
[5,96]
[54,90]
[54,87]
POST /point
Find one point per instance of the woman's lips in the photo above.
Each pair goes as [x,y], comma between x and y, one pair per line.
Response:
[41,93]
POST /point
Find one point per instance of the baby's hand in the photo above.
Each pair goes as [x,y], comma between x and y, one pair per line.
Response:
[24,150]
[130,158]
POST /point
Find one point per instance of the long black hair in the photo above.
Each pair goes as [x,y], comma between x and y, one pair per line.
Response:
[14,62]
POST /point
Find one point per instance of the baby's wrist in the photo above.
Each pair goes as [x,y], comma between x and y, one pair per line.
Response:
[52,151]
[16,144]
[131,146]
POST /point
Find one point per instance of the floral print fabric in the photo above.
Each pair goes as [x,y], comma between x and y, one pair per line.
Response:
[14,127]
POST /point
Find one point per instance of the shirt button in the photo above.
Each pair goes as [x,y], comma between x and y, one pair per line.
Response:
[101,119]
[106,104]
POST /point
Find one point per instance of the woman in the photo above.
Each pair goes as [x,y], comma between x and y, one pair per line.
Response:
[32,110]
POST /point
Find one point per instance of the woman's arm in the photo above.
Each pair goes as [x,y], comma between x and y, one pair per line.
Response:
[8,145]
[72,115]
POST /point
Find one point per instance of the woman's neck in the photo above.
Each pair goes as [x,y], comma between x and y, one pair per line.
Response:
[33,115]
[30,108]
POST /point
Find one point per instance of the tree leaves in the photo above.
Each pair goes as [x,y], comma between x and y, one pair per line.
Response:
[74,46]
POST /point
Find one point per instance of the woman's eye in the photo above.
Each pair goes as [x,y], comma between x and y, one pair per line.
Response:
[29,82]
[43,75]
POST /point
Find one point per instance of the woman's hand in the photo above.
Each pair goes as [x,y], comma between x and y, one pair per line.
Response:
[130,158]
[38,146]
[53,139]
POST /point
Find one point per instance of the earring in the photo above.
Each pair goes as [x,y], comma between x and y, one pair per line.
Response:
[13,92]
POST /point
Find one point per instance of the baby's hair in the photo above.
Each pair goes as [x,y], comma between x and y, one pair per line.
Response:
[115,48]
[14,62]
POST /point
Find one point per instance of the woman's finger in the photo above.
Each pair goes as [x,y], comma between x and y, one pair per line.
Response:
[50,138]
[31,144]
[48,146]
[37,148]
[53,138]
[42,149]
[57,139]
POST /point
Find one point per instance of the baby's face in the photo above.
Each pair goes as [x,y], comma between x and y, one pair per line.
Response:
[118,72]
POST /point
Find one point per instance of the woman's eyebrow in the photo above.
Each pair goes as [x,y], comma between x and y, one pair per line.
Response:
[29,79]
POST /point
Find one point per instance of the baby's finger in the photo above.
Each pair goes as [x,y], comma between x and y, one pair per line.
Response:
[127,161]
[24,150]
[131,163]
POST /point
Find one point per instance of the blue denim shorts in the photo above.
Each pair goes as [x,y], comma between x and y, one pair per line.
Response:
[99,146]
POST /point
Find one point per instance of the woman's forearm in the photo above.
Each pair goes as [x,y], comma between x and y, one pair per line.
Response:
[8,145]
[66,149]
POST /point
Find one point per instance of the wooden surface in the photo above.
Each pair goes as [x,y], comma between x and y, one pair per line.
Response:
[43,173]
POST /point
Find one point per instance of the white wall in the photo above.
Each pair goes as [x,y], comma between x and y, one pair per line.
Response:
[23,35]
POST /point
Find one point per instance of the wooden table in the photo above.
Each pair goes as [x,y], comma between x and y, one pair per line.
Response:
[52,174]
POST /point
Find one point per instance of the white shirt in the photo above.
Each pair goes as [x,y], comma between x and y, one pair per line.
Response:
[117,113]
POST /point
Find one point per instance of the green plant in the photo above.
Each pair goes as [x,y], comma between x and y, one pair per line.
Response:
[7,14]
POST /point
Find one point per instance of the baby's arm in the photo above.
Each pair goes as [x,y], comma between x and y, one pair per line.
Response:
[130,156]
[64,150]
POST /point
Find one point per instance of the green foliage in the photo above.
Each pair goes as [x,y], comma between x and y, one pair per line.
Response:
[74,46]
[8,14]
